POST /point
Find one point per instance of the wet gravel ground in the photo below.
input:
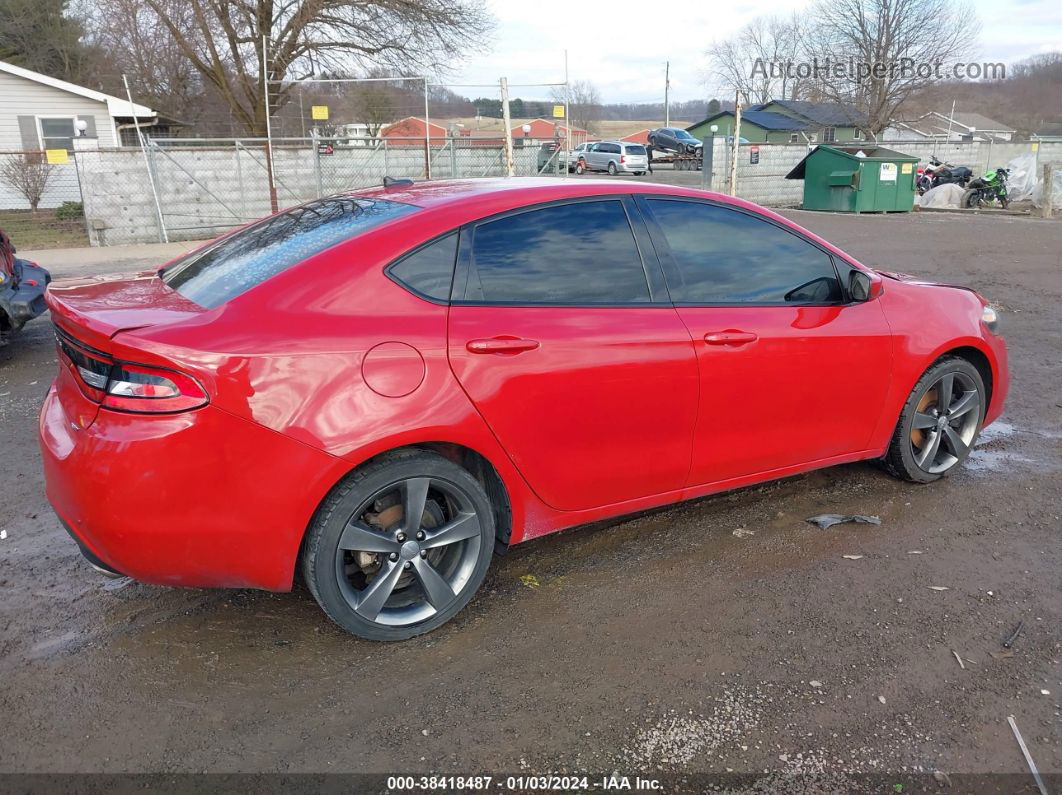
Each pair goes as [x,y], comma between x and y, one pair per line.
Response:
[720,635]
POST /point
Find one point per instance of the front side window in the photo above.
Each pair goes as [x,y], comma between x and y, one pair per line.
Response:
[571,254]
[247,258]
[723,256]
[57,134]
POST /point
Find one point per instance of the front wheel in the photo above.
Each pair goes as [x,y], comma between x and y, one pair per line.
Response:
[939,422]
[580,167]
[399,546]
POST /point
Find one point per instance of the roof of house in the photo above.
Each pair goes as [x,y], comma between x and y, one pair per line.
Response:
[827,114]
[976,121]
[115,107]
[761,118]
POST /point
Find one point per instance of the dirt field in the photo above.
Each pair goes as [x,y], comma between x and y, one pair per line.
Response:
[664,642]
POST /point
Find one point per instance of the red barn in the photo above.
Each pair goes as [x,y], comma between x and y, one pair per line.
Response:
[413,128]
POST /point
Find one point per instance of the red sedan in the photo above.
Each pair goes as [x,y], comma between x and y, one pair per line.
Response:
[378,390]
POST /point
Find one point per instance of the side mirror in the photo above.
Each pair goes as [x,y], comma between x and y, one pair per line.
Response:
[861,286]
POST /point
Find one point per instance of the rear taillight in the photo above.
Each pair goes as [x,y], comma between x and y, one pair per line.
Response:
[134,387]
[623,158]
[130,387]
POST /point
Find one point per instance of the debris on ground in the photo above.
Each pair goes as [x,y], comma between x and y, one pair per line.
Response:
[743,532]
[915,552]
[942,778]
[1014,635]
[118,583]
[3,535]
[815,683]
[881,699]
[828,520]
[530,580]
[959,659]
[938,587]
[852,557]
[1028,756]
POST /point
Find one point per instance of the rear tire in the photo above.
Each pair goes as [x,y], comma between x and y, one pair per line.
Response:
[931,442]
[971,200]
[381,577]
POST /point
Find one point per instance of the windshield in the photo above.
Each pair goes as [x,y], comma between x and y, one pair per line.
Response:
[232,266]
[684,134]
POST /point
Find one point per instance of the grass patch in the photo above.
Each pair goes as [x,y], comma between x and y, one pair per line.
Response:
[42,229]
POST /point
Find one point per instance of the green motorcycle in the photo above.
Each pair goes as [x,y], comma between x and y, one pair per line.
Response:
[985,190]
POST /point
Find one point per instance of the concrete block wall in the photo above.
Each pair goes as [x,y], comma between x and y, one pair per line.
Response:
[205,191]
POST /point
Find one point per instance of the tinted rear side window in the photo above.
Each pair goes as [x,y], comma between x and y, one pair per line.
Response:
[255,254]
[635,149]
[580,253]
[429,270]
[723,256]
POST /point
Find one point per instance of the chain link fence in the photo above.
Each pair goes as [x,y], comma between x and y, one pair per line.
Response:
[194,189]
[40,201]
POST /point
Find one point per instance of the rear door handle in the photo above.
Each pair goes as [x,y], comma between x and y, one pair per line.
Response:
[501,345]
[730,337]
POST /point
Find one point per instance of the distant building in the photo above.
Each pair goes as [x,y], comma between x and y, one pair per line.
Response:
[957,127]
[788,121]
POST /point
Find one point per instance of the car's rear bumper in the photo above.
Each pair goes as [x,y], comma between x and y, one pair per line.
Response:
[202,498]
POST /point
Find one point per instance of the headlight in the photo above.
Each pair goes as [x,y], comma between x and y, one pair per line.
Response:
[990,318]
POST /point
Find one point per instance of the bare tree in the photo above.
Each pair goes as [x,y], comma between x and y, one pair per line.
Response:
[375,104]
[584,104]
[28,174]
[222,41]
[758,63]
[885,52]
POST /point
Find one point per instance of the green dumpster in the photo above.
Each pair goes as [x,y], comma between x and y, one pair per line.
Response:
[857,179]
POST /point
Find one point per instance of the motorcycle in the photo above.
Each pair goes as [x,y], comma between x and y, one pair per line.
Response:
[987,189]
[939,173]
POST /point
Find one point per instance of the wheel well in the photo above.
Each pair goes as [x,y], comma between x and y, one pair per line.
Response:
[979,361]
[482,470]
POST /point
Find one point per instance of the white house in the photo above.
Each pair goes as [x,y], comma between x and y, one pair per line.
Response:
[38,112]
[943,126]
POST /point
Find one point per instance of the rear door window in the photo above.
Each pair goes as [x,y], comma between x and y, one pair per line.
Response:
[582,253]
[253,255]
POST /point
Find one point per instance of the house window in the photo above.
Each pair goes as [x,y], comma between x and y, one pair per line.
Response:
[58,134]
[794,137]
[857,135]
[829,135]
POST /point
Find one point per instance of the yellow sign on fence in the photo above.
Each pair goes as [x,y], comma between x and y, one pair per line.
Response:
[558,111]
[57,157]
[319,112]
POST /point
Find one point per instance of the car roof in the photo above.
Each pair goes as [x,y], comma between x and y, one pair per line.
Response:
[524,190]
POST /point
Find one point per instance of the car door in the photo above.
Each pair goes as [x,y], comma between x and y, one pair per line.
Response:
[566,343]
[596,156]
[792,372]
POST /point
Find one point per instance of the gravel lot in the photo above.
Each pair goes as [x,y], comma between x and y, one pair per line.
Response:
[668,641]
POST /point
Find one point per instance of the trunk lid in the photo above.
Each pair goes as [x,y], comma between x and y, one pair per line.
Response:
[92,310]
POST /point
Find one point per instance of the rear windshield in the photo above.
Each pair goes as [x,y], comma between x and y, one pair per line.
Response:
[638,149]
[253,255]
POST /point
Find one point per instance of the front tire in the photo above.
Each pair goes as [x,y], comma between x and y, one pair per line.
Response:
[612,169]
[383,576]
[939,422]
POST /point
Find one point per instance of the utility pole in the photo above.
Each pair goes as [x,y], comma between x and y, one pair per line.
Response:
[568,146]
[735,150]
[510,168]
[667,93]
[274,203]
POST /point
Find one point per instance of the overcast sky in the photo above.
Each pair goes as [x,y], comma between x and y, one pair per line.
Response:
[622,49]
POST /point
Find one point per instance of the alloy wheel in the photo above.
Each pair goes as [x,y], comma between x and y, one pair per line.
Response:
[945,422]
[408,551]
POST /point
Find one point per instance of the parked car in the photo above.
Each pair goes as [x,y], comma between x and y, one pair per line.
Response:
[22,285]
[674,139]
[615,157]
[579,153]
[376,390]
